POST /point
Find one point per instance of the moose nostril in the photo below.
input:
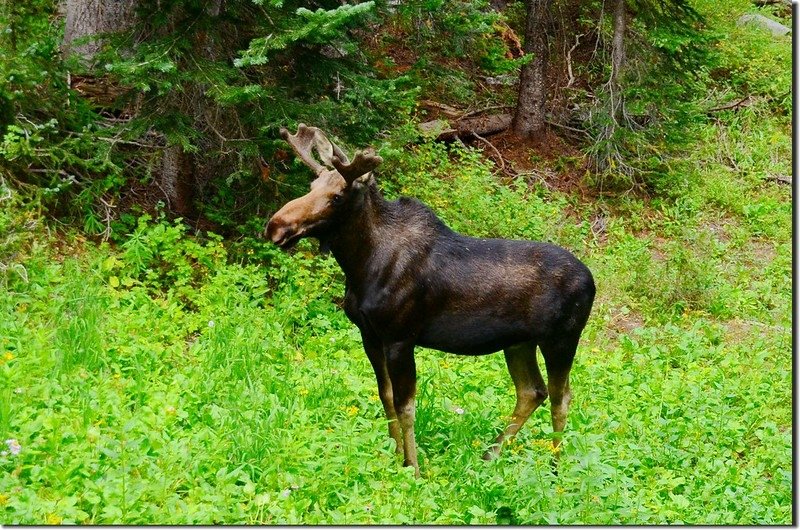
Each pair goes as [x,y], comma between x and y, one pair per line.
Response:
[277,232]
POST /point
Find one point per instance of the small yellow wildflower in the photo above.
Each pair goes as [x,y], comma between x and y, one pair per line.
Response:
[53,519]
[3,499]
[8,356]
[352,410]
[303,391]
[476,443]
[374,397]
[169,410]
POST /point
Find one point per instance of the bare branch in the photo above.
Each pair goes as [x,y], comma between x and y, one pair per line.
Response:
[569,60]
[744,102]
[500,158]
[567,127]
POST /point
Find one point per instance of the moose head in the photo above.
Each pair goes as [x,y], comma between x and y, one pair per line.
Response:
[336,187]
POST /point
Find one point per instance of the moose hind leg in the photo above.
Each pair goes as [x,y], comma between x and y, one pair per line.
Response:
[377,358]
[558,356]
[530,389]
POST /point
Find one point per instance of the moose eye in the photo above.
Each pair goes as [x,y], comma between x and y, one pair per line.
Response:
[336,199]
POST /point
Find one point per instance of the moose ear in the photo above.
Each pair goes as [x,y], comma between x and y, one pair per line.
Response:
[362,181]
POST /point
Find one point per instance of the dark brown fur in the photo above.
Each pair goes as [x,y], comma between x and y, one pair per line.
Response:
[411,281]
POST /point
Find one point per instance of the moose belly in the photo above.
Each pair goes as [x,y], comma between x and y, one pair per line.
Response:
[472,334]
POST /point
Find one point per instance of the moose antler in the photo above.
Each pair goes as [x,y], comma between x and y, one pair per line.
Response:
[363,163]
[307,138]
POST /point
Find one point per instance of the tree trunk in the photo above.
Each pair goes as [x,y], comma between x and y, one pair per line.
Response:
[178,168]
[617,60]
[529,118]
[86,18]
[177,179]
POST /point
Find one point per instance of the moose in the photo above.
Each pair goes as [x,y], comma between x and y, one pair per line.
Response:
[412,281]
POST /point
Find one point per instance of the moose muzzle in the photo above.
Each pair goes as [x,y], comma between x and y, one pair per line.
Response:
[297,218]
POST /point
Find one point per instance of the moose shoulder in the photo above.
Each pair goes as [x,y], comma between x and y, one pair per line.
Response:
[411,281]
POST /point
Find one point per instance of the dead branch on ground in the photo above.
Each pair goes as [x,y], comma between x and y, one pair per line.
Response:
[744,102]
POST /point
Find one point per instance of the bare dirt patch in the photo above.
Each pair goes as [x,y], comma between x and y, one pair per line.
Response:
[548,158]
[624,322]
[762,252]
[717,229]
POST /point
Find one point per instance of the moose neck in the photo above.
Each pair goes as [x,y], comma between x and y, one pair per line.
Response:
[352,242]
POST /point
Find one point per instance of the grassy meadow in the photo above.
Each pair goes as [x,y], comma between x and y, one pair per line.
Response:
[175,378]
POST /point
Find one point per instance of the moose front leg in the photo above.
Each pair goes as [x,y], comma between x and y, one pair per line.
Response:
[377,358]
[403,375]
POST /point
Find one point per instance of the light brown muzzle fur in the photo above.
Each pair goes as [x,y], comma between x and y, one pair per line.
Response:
[305,213]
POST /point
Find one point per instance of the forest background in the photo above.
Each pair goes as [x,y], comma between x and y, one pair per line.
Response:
[160,362]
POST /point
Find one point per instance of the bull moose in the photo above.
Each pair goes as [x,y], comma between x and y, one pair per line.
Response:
[412,281]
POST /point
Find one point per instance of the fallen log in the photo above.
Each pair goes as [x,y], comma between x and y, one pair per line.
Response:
[466,127]
[781,179]
[776,28]
[441,108]
[784,3]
